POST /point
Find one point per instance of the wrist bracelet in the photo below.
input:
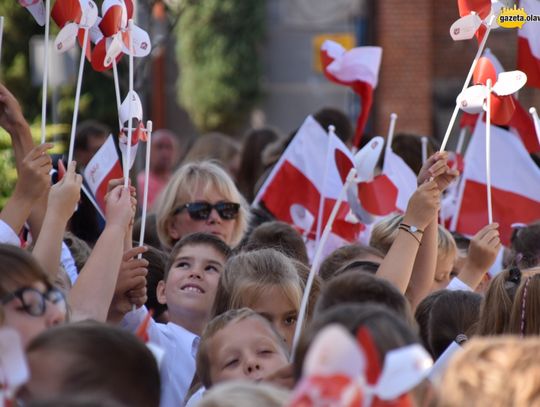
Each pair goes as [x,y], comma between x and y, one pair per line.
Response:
[408,230]
[411,228]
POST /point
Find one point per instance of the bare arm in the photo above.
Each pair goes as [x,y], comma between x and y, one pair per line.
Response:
[93,291]
[62,200]
[398,263]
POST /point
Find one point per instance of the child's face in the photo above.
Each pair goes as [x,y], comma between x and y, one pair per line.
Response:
[191,285]
[443,272]
[279,310]
[245,349]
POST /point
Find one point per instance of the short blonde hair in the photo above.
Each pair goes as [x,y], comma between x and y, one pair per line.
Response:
[493,372]
[248,274]
[181,187]
[204,363]
[245,394]
[384,233]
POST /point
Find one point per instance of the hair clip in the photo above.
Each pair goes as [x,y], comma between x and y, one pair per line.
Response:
[461,339]
[514,275]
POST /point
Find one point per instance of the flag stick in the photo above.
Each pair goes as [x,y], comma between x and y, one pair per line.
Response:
[390,136]
[331,132]
[117,92]
[303,305]
[146,180]
[92,201]
[461,140]
[1,36]
[467,80]
[536,121]
[130,123]
[45,71]
[424,141]
[77,97]
[488,150]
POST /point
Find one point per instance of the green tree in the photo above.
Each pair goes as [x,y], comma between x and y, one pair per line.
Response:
[218,44]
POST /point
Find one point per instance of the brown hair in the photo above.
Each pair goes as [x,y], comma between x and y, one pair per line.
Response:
[217,324]
[280,236]
[196,239]
[525,247]
[493,372]
[359,287]
[525,315]
[249,273]
[102,359]
[497,303]
[340,257]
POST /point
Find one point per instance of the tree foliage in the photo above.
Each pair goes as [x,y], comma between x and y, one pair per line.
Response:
[218,44]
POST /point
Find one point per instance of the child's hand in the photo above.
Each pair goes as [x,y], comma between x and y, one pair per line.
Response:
[113,183]
[34,179]
[484,247]
[65,194]
[119,210]
[11,115]
[423,205]
[436,167]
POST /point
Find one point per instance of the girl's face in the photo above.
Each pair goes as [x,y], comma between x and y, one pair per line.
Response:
[444,270]
[32,308]
[275,306]
[182,223]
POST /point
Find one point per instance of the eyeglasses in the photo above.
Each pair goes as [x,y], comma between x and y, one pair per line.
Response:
[33,300]
[201,210]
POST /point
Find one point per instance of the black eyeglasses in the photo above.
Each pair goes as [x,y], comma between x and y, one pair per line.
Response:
[201,210]
[33,300]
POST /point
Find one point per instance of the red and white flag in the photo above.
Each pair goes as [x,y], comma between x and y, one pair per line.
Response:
[515,182]
[103,167]
[293,189]
[528,55]
[357,68]
[401,175]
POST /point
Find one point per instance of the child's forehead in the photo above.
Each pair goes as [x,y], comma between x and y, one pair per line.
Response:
[202,251]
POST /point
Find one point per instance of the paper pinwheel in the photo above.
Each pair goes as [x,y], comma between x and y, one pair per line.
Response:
[74,17]
[36,8]
[372,195]
[475,16]
[473,99]
[114,26]
[130,116]
[339,371]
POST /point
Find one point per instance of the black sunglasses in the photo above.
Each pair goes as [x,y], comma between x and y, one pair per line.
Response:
[201,210]
[33,300]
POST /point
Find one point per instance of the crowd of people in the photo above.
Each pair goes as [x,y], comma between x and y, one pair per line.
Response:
[205,313]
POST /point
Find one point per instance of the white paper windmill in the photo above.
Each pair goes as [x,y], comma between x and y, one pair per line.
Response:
[131,114]
[74,17]
[36,8]
[473,18]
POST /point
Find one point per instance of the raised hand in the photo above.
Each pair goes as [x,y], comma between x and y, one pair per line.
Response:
[119,208]
[11,117]
[65,194]
[423,205]
[436,167]
[34,179]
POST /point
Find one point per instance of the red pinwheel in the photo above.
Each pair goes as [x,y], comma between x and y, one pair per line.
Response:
[473,99]
[114,26]
[74,17]
[339,371]
[475,17]
[129,115]
[373,195]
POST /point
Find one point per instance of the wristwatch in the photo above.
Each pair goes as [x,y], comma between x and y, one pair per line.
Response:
[411,228]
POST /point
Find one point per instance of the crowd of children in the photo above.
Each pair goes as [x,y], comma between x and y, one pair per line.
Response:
[217,302]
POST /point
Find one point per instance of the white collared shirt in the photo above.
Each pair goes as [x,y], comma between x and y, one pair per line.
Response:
[180,346]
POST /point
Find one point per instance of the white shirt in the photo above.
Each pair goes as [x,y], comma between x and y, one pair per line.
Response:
[178,366]
[8,235]
[196,397]
[456,284]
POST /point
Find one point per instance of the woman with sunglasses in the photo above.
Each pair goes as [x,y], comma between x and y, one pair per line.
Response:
[30,301]
[201,197]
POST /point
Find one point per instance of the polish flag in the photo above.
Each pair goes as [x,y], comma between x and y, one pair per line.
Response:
[103,167]
[528,55]
[293,189]
[357,68]
[401,175]
[515,180]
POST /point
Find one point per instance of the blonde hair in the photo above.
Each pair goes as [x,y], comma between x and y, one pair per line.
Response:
[245,394]
[247,275]
[217,324]
[493,372]
[384,233]
[181,187]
